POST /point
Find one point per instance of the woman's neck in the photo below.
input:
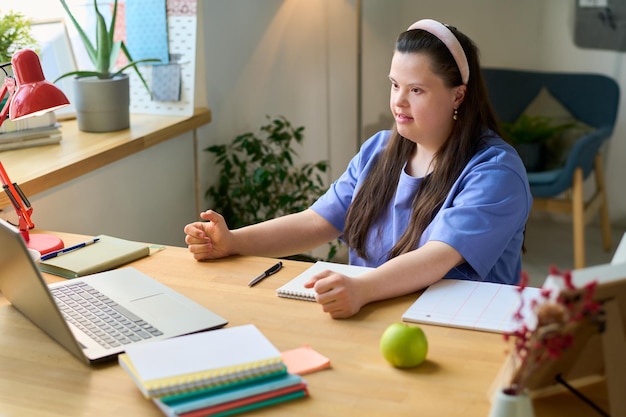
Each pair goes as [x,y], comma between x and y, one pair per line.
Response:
[420,163]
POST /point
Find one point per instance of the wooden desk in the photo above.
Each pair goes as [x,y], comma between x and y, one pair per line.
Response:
[41,168]
[39,378]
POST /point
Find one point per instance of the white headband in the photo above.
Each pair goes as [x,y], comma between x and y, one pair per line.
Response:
[445,35]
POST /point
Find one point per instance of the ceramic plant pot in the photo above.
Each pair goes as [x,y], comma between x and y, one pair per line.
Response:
[102,105]
[532,154]
[507,404]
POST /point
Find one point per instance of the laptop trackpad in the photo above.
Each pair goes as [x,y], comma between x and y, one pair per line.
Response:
[158,306]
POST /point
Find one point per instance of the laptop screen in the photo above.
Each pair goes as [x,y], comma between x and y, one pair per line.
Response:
[23,285]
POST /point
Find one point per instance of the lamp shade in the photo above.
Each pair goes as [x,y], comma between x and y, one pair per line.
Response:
[34,95]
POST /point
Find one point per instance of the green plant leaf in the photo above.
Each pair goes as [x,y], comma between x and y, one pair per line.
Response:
[103,46]
[532,129]
[106,51]
[91,51]
[111,30]
[134,65]
[15,34]
[258,178]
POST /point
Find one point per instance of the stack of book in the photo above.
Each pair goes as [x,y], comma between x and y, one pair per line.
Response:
[32,131]
[215,373]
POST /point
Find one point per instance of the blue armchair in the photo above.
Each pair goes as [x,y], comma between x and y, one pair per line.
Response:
[590,98]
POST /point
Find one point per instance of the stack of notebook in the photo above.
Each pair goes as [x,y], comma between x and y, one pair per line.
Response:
[220,372]
[32,131]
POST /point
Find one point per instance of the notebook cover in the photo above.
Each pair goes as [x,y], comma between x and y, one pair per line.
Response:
[108,253]
[295,288]
[475,305]
[200,360]
[275,386]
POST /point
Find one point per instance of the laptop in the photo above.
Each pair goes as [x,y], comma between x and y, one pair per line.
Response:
[118,307]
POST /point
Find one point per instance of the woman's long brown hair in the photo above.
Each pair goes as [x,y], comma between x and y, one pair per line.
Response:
[474,116]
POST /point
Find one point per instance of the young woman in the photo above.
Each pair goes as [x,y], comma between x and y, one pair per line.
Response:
[439,196]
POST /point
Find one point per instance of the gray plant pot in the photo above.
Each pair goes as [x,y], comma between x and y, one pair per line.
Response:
[102,105]
[532,155]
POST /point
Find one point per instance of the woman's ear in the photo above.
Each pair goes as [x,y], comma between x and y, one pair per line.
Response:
[459,95]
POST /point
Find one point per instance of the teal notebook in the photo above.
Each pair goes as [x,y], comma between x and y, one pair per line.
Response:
[108,253]
[241,405]
[233,394]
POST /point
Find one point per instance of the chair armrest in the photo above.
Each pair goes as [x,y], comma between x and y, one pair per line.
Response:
[584,150]
[582,154]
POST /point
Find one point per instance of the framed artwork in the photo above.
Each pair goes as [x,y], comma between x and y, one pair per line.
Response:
[57,58]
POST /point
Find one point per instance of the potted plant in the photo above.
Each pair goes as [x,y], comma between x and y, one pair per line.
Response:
[546,336]
[530,135]
[259,180]
[102,95]
[15,34]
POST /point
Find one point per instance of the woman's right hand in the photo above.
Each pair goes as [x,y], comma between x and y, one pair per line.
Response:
[211,239]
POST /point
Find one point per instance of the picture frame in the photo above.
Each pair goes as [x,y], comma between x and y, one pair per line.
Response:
[596,354]
[57,58]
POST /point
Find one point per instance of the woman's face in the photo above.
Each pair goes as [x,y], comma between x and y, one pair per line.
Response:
[420,102]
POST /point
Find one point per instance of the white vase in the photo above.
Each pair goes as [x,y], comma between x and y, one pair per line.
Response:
[511,405]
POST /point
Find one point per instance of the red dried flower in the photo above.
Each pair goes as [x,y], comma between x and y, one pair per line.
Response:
[552,335]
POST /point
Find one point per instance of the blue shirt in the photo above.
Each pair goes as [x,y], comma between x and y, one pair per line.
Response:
[483,216]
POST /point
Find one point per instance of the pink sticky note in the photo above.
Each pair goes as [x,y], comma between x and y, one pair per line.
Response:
[304,360]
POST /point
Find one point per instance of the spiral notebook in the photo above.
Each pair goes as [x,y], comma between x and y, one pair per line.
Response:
[201,360]
[295,288]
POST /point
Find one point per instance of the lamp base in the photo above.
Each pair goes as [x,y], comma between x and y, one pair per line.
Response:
[44,243]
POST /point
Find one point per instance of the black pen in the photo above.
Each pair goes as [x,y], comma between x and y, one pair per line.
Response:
[274,269]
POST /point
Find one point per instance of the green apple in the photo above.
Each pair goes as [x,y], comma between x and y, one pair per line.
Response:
[404,346]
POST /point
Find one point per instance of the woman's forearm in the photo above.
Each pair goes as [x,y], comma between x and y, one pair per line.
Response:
[283,236]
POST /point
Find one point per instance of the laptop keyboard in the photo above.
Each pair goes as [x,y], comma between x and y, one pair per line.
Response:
[101,318]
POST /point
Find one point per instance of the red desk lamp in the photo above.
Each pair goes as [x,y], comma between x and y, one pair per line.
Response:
[29,94]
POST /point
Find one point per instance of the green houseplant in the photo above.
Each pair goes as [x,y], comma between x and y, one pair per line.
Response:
[531,136]
[104,91]
[15,34]
[258,179]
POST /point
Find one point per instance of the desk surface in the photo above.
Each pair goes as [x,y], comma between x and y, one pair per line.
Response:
[39,378]
[38,169]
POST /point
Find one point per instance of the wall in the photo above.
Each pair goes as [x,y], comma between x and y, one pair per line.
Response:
[295,58]
[298,58]
[148,196]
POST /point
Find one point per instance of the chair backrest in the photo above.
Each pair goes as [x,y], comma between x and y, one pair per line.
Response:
[591,98]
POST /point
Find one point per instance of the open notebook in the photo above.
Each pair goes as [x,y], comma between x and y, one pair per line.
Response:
[295,287]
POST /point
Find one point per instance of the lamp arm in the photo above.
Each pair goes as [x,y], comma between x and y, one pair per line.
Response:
[18,198]
[20,203]
[8,86]
[22,102]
